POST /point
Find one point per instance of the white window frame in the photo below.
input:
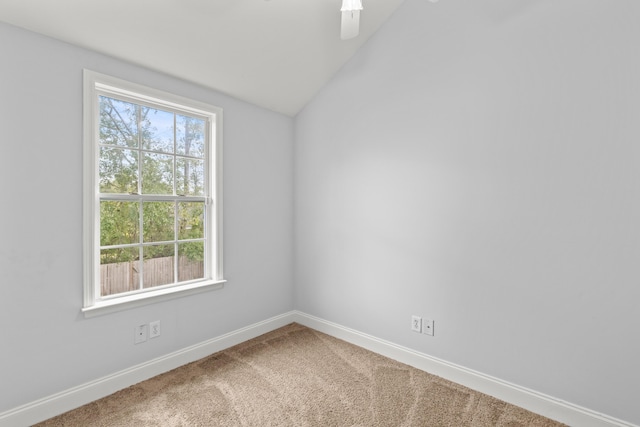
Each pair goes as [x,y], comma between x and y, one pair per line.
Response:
[96,84]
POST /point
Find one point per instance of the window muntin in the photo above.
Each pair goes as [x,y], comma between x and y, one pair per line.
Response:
[152,192]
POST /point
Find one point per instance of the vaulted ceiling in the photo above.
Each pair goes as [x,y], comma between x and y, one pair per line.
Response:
[273,53]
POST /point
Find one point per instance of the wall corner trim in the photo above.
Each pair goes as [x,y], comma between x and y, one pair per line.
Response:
[539,403]
[531,400]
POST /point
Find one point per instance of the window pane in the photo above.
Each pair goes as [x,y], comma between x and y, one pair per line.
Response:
[190,136]
[157,134]
[119,270]
[191,220]
[118,170]
[158,221]
[190,261]
[158,265]
[119,223]
[148,230]
[189,177]
[157,174]
[118,122]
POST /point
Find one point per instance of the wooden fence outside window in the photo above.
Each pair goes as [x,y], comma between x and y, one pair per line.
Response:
[125,276]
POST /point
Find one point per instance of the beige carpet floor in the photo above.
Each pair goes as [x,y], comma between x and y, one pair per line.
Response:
[296,376]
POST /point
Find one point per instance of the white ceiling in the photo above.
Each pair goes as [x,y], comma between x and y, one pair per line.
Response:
[273,53]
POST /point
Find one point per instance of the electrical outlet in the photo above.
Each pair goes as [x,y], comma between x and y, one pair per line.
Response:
[427,326]
[154,329]
[416,324]
[140,334]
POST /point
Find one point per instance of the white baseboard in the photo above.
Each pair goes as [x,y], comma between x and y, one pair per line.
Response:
[539,403]
[75,397]
[556,409]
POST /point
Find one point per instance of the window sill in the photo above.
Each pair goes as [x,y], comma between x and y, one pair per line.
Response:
[150,297]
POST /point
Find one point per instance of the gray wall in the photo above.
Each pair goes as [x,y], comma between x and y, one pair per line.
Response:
[46,345]
[478,163]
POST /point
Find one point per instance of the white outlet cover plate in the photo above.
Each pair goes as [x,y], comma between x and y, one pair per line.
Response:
[427,326]
[154,329]
[416,323]
[140,334]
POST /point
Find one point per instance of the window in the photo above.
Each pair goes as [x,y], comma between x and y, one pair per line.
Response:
[152,183]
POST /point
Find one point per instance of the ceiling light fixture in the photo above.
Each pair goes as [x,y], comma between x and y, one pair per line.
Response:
[350,19]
